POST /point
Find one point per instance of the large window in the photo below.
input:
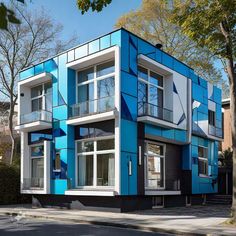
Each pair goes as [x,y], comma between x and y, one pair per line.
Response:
[211,117]
[96,88]
[150,93]
[39,136]
[202,161]
[155,166]
[95,154]
[37,166]
[41,97]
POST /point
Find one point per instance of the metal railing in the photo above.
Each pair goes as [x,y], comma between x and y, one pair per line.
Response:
[148,109]
[41,115]
[33,183]
[92,107]
[165,184]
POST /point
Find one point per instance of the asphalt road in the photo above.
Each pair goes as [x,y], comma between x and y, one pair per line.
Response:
[18,226]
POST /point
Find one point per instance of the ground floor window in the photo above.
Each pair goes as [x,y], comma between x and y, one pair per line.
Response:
[96,162]
[154,166]
[202,161]
[37,165]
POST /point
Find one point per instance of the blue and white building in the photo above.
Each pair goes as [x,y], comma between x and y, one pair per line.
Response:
[117,122]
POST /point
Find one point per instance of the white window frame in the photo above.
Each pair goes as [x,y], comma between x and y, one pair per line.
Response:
[37,157]
[149,84]
[43,95]
[94,153]
[145,165]
[95,79]
[205,160]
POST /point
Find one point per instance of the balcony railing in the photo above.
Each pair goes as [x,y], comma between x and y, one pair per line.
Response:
[33,183]
[212,130]
[92,107]
[148,109]
[170,184]
[36,116]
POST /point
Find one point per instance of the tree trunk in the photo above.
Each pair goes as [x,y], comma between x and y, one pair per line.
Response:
[232,78]
[11,127]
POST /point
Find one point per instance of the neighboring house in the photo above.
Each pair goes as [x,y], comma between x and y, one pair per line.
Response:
[117,122]
[225,178]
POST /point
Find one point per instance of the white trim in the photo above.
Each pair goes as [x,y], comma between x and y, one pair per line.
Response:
[109,115]
[37,79]
[33,126]
[156,121]
[153,192]
[78,192]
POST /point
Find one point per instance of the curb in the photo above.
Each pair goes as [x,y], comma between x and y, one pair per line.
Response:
[104,223]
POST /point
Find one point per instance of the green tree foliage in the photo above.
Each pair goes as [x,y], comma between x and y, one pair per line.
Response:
[153,23]
[7,16]
[226,158]
[94,5]
[212,24]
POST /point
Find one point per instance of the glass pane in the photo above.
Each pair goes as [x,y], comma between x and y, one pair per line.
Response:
[153,95]
[85,75]
[36,104]
[48,88]
[94,46]
[156,79]
[104,128]
[105,68]
[142,97]
[142,73]
[107,144]
[154,149]
[81,51]
[37,169]
[85,146]
[202,152]
[105,42]
[48,100]
[37,151]
[155,171]
[39,136]
[105,170]
[36,91]
[85,170]
[106,87]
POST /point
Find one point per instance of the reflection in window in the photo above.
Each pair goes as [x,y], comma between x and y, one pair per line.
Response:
[37,151]
[202,160]
[39,136]
[105,68]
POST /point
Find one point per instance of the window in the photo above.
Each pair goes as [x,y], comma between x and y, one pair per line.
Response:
[96,162]
[202,160]
[211,117]
[96,88]
[150,93]
[154,166]
[39,136]
[58,161]
[37,166]
[41,97]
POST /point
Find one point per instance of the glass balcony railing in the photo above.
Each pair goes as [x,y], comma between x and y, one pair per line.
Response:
[33,183]
[92,107]
[212,130]
[36,116]
[148,109]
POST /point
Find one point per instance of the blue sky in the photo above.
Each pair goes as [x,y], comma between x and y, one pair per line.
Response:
[89,25]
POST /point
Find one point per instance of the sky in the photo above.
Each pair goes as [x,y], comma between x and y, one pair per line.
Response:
[87,26]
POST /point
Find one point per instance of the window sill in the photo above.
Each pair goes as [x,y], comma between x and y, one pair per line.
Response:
[204,176]
[91,192]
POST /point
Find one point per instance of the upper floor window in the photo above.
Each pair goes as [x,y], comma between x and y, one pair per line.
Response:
[211,117]
[150,92]
[202,160]
[41,97]
[96,87]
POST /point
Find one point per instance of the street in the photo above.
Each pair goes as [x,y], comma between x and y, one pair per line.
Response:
[18,226]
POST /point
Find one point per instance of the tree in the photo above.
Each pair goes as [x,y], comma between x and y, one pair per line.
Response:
[95,5]
[7,16]
[153,23]
[22,45]
[212,24]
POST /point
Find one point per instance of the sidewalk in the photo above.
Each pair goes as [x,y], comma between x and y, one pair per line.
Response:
[195,220]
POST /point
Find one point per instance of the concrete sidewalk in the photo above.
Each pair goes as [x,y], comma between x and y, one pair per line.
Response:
[195,220]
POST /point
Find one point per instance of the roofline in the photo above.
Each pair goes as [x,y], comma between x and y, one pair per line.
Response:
[86,42]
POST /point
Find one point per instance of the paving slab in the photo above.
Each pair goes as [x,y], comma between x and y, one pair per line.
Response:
[194,220]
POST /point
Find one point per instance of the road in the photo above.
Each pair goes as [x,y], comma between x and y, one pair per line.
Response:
[18,226]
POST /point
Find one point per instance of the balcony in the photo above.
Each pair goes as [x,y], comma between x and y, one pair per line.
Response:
[33,184]
[92,111]
[153,114]
[35,120]
[214,131]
